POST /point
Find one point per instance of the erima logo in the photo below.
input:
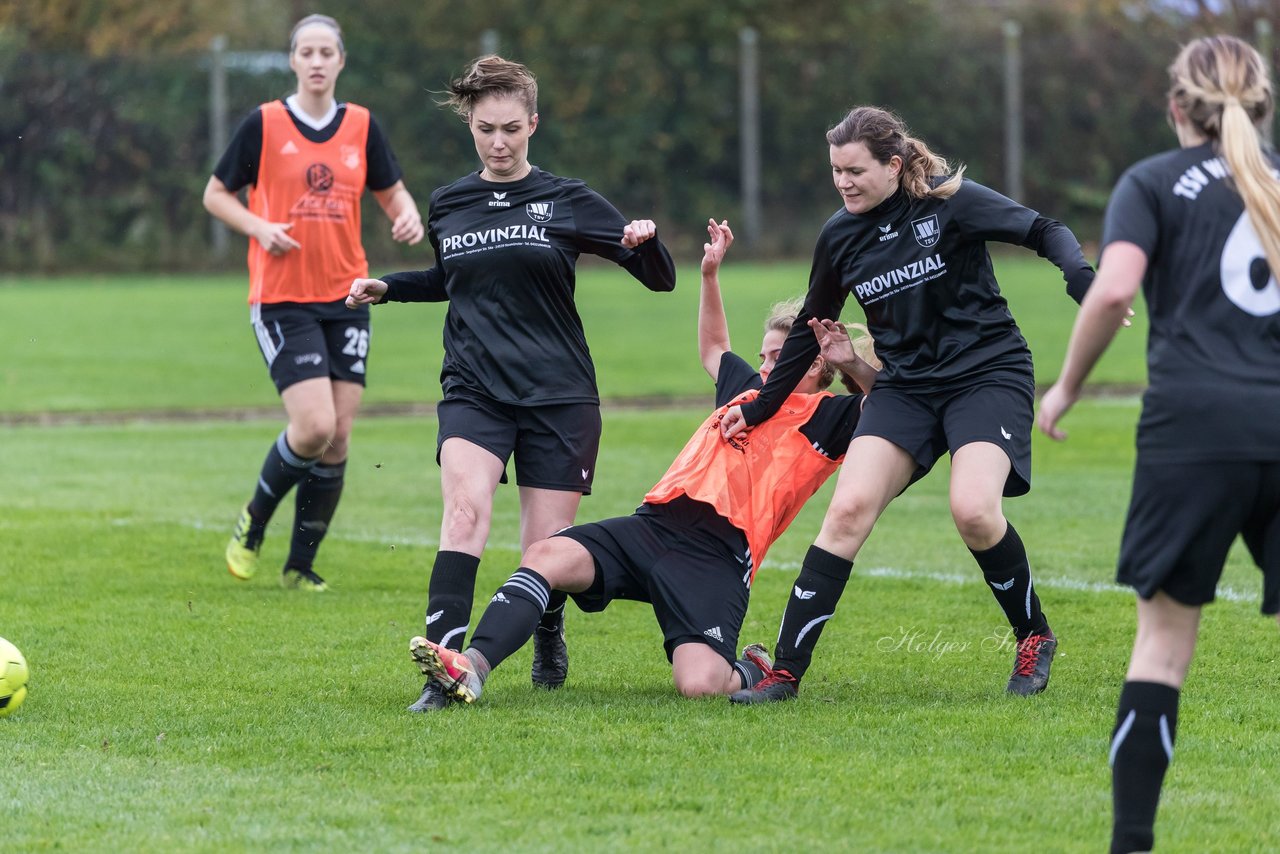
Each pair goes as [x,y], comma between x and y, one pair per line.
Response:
[912,273]
[499,597]
[307,359]
[539,211]
[1004,586]
[714,634]
[498,201]
[586,473]
[887,232]
[1003,432]
[494,235]
[358,367]
[289,148]
[431,618]
[805,594]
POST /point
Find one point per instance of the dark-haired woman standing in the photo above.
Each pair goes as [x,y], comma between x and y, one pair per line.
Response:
[910,244]
[518,379]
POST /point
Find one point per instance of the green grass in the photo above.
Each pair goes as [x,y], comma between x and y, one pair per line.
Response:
[126,343]
[173,708]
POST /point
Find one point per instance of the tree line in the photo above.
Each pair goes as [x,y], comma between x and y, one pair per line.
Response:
[106,133]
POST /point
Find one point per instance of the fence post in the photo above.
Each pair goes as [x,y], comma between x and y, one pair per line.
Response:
[217,129]
[1013,110]
[749,101]
[488,42]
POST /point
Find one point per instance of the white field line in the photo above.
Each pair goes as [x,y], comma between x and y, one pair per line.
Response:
[1060,582]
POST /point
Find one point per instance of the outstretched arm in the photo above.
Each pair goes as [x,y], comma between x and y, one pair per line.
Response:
[1104,311]
[713,326]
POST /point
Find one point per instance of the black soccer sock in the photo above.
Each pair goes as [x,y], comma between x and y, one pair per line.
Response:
[280,471]
[512,615]
[316,500]
[449,594]
[1141,749]
[813,601]
[1008,574]
[554,615]
[749,673]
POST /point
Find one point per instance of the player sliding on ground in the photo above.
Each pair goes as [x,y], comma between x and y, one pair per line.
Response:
[692,548]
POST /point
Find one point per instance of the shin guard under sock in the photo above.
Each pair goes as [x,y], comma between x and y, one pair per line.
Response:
[317,499]
[1141,749]
[512,615]
[1008,574]
[817,589]
[449,594]
[280,471]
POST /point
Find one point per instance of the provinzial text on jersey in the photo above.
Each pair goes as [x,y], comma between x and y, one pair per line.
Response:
[494,235]
[913,273]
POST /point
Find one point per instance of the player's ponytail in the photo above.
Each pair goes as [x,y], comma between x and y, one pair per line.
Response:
[885,135]
[1220,84]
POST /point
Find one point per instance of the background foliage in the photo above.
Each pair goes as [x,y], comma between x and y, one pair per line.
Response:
[104,143]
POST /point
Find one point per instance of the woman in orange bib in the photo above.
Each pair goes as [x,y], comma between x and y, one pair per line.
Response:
[306,160]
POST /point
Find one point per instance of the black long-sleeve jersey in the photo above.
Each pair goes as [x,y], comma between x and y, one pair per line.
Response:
[506,255]
[238,165]
[1213,351]
[920,270]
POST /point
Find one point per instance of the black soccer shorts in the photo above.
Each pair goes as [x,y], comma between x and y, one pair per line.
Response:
[681,557]
[555,445]
[998,409]
[305,340]
[1183,519]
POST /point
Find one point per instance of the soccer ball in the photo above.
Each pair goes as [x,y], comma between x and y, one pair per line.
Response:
[13,678]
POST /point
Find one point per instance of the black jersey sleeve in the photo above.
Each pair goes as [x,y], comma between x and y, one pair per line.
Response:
[1131,215]
[415,286]
[420,285]
[598,226]
[984,214]
[825,300]
[832,425]
[383,168]
[238,166]
[1054,241]
[735,377]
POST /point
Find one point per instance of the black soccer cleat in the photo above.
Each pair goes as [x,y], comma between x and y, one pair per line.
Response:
[433,699]
[776,686]
[550,656]
[1031,665]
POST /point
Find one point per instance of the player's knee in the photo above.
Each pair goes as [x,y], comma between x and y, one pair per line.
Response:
[464,519]
[849,517]
[704,680]
[978,521]
[313,433]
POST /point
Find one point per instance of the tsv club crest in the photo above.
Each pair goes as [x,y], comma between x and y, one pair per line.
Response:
[926,230]
[539,211]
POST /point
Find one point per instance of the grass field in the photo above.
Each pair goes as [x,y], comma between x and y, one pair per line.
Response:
[173,708]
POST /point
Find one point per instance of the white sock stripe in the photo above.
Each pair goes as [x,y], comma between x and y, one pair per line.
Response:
[533,588]
[1166,738]
[444,641]
[809,627]
[287,454]
[1028,597]
[1121,732]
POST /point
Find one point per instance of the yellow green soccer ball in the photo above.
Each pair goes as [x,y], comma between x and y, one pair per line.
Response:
[13,678]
